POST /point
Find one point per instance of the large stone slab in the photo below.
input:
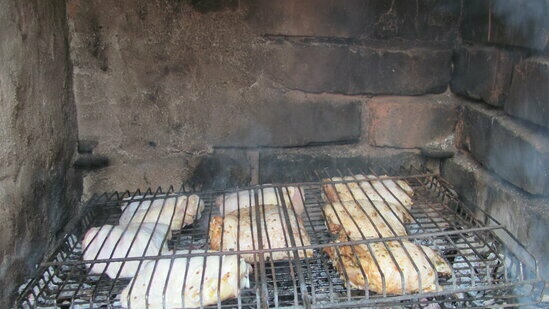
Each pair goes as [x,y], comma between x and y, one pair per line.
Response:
[518,153]
[518,23]
[286,123]
[529,94]
[483,73]
[411,122]
[413,20]
[39,192]
[358,69]
[524,215]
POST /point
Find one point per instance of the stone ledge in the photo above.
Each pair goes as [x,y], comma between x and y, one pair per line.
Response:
[411,122]
[529,94]
[297,165]
[524,215]
[358,69]
[517,153]
[483,73]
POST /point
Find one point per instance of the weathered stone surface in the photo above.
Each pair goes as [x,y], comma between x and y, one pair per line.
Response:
[411,122]
[517,153]
[483,73]
[161,172]
[286,123]
[358,69]
[276,166]
[522,214]
[156,78]
[519,23]
[529,94]
[412,20]
[39,191]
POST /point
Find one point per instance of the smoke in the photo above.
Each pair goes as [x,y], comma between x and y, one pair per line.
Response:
[524,20]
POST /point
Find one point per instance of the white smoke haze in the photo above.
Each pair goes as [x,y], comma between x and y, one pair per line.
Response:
[528,19]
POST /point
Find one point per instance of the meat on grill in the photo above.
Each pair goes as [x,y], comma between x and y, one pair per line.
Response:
[174,211]
[385,264]
[360,187]
[293,198]
[184,282]
[364,219]
[238,230]
[133,240]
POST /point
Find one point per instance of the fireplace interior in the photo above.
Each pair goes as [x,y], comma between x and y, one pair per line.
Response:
[441,104]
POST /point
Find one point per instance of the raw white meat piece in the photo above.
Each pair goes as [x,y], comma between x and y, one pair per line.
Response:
[173,211]
[360,187]
[108,241]
[293,197]
[182,282]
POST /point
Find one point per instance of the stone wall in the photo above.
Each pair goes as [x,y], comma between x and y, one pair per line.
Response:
[503,136]
[160,83]
[510,74]
[39,191]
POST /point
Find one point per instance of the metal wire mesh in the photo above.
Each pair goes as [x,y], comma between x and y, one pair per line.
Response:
[489,267]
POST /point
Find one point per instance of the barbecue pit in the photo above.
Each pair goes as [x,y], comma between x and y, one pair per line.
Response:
[489,267]
[104,102]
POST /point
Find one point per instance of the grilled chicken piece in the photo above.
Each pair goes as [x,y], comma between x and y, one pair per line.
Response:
[385,264]
[239,231]
[364,219]
[108,242]
[293,198]
[186,282]
[174,211]
[360,187]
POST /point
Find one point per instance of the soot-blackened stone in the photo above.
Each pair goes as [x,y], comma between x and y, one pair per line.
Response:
[529,94]
[483,73]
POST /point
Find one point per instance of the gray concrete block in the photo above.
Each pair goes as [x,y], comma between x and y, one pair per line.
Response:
[483,73]
[411,122]
[518,153]
[529,94]
[359,69]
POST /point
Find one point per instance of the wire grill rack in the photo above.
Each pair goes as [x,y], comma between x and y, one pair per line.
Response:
[490,268]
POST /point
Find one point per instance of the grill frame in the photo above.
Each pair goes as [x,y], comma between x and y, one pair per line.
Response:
[298,282]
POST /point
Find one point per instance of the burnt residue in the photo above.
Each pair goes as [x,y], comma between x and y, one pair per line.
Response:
[90,161]
[220,171]
[86,146]
[206,6]
[96,45]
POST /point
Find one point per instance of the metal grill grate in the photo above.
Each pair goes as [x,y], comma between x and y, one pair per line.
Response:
[489,267]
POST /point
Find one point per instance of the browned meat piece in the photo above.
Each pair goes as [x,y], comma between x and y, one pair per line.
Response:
[359,187]
[393,267]
[239,231]
[364,219]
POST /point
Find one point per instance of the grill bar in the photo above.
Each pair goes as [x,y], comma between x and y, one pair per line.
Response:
[489,267]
